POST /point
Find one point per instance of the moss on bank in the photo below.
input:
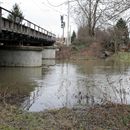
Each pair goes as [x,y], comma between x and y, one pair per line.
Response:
[105,117]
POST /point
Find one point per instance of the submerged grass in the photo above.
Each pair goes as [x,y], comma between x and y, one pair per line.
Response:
[104,117]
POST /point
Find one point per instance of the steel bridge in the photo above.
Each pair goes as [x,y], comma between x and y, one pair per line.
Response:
[24,33]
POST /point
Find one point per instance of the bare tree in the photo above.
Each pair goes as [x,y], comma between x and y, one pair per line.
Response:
[95,13]
[92,11]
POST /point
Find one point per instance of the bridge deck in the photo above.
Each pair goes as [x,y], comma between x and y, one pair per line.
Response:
[26,33]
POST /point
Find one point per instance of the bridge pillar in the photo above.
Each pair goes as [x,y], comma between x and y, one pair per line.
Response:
[49,52]
[21,56]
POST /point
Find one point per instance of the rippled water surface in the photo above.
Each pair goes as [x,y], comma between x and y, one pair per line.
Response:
[66,84]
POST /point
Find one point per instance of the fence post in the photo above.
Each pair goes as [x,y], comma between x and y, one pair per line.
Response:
[28,27]
[34,33]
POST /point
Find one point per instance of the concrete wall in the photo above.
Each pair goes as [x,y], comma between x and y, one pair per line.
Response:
[27,57]
[49,53]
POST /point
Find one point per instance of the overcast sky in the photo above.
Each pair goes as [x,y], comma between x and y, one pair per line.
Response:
[41,13]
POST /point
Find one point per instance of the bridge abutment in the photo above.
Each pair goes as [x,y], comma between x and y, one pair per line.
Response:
[22,56]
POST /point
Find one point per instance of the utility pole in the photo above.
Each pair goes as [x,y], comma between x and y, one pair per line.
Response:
[63,32]
[62,26]
[68,32]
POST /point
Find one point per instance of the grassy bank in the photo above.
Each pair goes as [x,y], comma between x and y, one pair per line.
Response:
[121,57]
[105,117]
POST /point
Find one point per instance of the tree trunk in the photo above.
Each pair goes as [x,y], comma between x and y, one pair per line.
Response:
[94,17]
[90,19]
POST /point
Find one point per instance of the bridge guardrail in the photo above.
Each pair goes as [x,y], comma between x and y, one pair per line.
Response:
[25,27]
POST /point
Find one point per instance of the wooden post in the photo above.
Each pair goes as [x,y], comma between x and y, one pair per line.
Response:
[0,19]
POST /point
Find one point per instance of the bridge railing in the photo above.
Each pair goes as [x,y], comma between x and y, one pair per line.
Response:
[25,27]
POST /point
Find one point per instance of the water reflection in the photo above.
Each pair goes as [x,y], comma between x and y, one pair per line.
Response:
[69,84]
[17,83]
[76,84]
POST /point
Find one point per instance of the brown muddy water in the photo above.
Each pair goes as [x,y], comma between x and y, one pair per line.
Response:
[66,84]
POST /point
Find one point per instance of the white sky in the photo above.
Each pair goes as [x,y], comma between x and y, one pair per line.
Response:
[42,14]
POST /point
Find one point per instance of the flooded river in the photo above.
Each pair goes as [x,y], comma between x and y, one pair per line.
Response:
[66,84]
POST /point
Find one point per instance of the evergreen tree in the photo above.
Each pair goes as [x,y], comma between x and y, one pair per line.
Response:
[16,15]
[122,34]
[121,24]
[73,37]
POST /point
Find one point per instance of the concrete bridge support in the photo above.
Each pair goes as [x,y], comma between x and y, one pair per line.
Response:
[48,56]
[49,52]
[21,56]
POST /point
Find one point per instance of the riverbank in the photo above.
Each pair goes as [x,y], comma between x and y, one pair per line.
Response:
[121,57]
[79,53]
[104,117]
